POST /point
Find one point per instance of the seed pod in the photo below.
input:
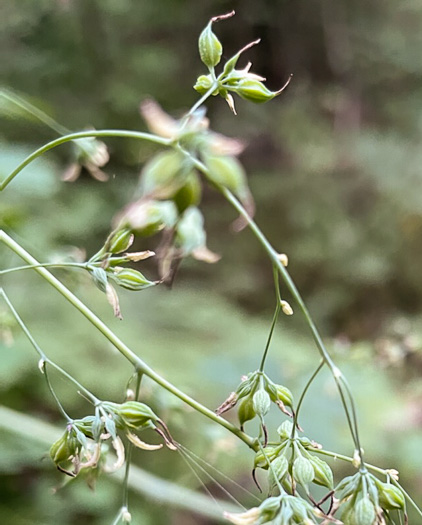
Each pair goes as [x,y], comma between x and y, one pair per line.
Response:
[203,84]
[269,509]
[323,473]
[228,172]
[261,402]
[303,471]
[246,410]
[390,496]
[278,470]
[164,175]
[364,512]
[347,486]
[285,430]
[131,414]
[260,461]
[99,277]
[119,241]
[210,48]
[189,194]
[254,91]
[62,449]
[284,395]
[131,279]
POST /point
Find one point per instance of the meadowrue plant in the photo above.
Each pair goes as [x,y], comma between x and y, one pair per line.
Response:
[167,202]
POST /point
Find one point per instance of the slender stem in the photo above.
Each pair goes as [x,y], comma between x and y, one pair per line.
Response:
[408,497]
[199,102]
[274,321]
[270,467]
[53,393]
[34,111]
[80,135]
[41,353]
[136,361]
[129,450]
[43,265]
[302,396]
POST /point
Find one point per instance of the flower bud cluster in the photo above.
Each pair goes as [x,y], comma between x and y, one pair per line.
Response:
[280,510]
[290,462]
[242,82]
[366,500]
[254,396]
[82,445]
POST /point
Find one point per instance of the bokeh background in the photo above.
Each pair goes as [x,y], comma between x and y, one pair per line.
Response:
[335,165]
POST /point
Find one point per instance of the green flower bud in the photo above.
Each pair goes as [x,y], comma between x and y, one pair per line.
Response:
[303,471]
[246,410]
[62,449]
[254,91]
[190,231]
[120,241]
[364,512]
[261,402]
[227,172]
[99,277]
[284,395]
[131,279]
[323,473]
[269,509]
[189,194]
[390,496]
[278,470]
[132,414]
[285,430]
[260,461]
[210,48]
[347,486]
[247,384]
[203,84]
[164,175]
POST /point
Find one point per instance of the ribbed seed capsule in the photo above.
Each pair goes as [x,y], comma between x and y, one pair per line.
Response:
[254,91]
[390,497]
[323,473]
[278,470]
[261,402]
[210,48]
[203,84]
[246,410]
[120,241]
[303,471]
[131,279]
[364,512]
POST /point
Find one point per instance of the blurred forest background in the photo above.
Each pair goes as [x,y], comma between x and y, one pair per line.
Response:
[335,165]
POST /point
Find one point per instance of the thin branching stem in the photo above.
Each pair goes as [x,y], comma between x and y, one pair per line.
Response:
[274,321]
[135,360]
[43,265]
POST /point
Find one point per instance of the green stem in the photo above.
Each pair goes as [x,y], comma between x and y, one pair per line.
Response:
[34,111]
[302,397]
[53,393]
[136,361]
[80,135]
[407,496]
[40,352]
[44,265]
[274,321]
[197,104]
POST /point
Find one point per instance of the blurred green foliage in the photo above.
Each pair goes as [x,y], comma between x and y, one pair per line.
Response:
[335,167]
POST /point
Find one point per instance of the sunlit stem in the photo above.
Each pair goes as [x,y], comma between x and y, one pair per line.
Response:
[80,135]
[43,265]
[34,111]
[135,360]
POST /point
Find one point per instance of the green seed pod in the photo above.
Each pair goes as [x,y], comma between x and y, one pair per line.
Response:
[136,414]
[347,486]
[120,241]
[390,496]
[364,512]
[131,279]
[303,471]
[61,449]
[254,91]
[278,470]
[247,385]
[164,175]
[260,461]
[246,411]
[203,84]
[210,48]
[99,277]
[284,395]
[190,233]
[261,402]
[323,473]
[227,172]
[269,509]
[285,430]
[189,194]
